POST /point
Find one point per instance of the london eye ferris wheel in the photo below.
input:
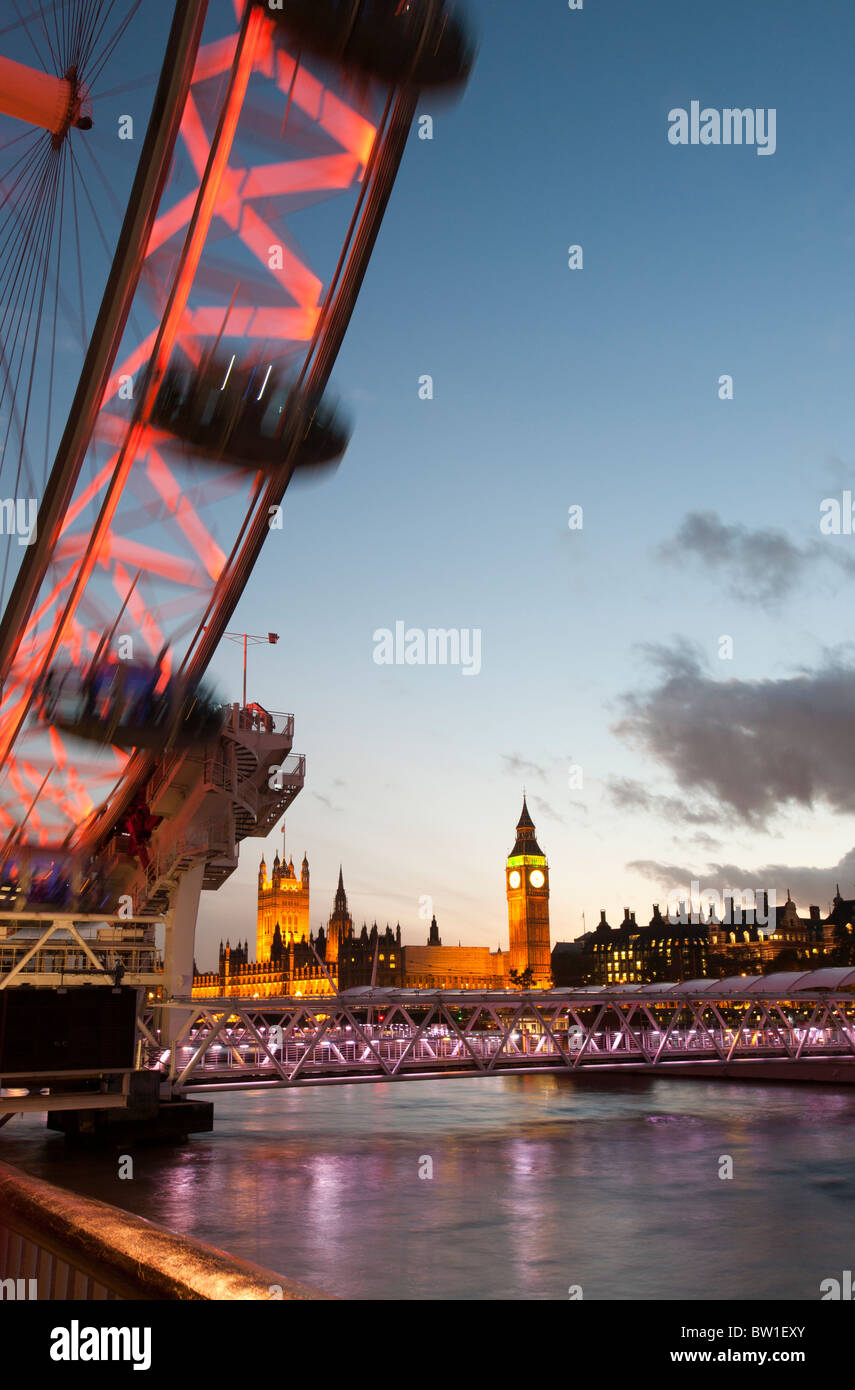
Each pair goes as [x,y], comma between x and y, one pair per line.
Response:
[174,290]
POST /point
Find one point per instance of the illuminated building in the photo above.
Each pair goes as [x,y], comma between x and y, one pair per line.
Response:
[340,925]
[687,949]
[283,902]
[354,960]
[802,938]
[454,967]
[296,962]
[292,968]
[527,887]
[630,954]
[291,960]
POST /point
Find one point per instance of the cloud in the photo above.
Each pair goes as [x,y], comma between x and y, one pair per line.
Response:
[520,768]
[629,795]
[754,747]
[325,801]
[807,883]
[543,807]
[761,566]
[704,841]
[524,769]
[838,470]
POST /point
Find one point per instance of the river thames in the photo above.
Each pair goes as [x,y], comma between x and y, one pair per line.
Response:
[539,1183]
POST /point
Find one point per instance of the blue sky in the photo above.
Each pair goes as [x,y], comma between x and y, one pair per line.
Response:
[552,388]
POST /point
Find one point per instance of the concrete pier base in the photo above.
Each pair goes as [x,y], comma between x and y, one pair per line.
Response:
[145,1119]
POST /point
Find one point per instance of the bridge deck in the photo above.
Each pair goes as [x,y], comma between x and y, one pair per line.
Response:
[365,1035]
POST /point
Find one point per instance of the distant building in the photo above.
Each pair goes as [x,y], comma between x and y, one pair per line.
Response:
[371,957]
[630,954]
[340,924]
[354,959]
[290,960]
[296,962]
[291,969]
[841,919]
[809,939]
[435,966]
[751,940]
[571,964]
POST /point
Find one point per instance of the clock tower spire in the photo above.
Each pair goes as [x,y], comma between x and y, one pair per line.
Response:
[527,887]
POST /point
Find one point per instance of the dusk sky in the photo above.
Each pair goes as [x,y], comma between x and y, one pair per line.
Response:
[596,387]
[602,648]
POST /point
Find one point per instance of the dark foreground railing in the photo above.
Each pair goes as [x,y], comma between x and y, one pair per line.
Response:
[56,1245]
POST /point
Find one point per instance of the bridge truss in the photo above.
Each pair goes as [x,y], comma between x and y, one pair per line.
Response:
[392,1035]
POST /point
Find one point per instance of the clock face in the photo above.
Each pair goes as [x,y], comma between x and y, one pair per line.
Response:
[514,879]
[536,879]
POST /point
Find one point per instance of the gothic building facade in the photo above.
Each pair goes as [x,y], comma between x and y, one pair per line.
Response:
[293,961]
[283,902]
[290,960]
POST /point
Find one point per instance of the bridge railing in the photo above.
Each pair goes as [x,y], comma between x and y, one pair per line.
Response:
[255,720]
[57,1245]
[233,1056]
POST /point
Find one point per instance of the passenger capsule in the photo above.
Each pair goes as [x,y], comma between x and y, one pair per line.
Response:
[127,704]
[248,416]
[422,43]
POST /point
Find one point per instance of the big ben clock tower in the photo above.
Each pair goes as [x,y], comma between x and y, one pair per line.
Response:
[527,884]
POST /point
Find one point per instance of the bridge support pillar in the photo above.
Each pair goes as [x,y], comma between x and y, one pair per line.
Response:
[179,948]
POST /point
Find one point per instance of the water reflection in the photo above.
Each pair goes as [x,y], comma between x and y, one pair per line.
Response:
[538,1183]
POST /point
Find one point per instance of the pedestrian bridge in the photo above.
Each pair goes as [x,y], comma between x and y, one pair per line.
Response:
[396,1034]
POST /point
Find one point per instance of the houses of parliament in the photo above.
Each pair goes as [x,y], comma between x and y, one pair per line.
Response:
[291,960]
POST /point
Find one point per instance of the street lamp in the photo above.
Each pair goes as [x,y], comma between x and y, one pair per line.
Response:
[249,638]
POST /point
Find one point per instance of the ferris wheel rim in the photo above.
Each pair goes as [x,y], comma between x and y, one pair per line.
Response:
[333,317]
[127,266]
